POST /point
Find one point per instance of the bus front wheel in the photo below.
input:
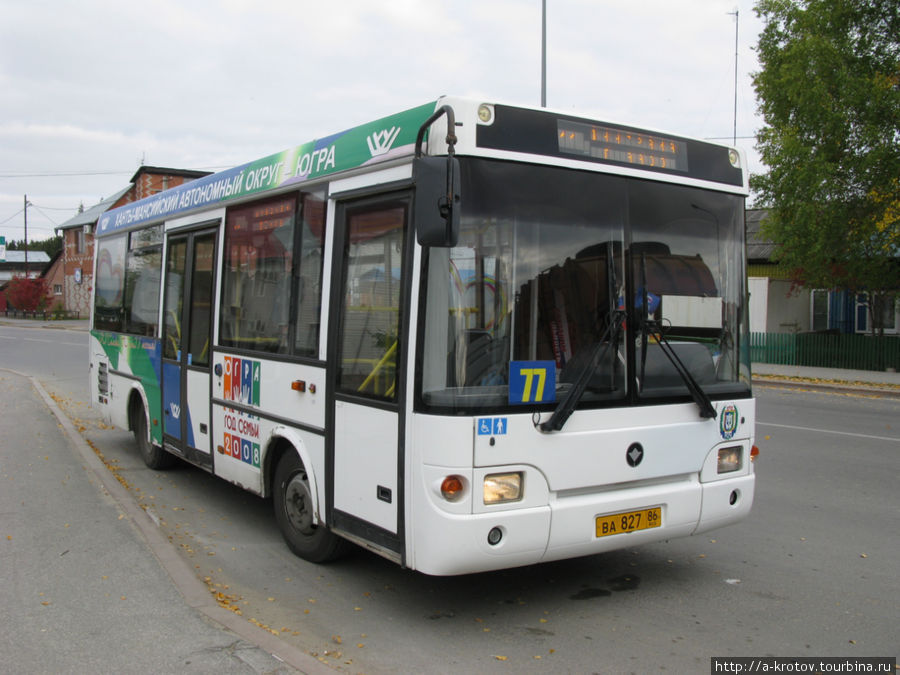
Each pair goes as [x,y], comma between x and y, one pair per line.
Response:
[294,509]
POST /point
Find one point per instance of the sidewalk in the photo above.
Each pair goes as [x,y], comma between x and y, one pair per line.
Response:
[87,581]
[838,379]
[70,324]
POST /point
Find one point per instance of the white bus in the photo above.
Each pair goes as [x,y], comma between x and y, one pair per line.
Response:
[468,336]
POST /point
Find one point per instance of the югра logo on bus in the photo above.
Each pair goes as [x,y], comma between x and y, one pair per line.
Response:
[240,438]
[381,141]
[242,377]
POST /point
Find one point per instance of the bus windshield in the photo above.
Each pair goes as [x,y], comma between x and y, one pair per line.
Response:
[638,282]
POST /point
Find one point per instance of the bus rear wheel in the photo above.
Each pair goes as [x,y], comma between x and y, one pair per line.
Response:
[294,510]
[154,457]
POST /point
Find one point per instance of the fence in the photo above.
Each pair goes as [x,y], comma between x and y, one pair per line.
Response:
[825,350]
[44,314]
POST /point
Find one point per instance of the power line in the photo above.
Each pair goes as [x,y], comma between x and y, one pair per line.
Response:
[64,174]
[80,174]
[44,214]
[11,217]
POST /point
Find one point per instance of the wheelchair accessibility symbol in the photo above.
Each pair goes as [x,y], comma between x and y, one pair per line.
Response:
[491,426]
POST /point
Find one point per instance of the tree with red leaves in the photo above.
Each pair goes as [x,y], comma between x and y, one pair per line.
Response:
[28,294]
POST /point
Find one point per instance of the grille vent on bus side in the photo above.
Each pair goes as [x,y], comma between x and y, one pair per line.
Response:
[103,378]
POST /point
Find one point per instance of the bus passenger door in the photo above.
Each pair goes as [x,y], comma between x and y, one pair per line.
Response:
[366,353]
[189,288]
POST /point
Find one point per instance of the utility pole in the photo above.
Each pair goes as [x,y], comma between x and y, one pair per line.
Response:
[25,211]
[543,53]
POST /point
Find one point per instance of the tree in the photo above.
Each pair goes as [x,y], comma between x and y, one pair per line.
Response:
[28,294]
[829,94]
[51,246]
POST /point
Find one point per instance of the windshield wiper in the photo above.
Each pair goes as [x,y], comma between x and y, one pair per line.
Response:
[609,340]
[707,410]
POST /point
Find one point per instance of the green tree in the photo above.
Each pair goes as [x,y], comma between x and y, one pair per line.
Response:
[829,94]
[51,245]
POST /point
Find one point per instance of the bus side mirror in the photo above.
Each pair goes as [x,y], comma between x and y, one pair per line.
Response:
[436,204]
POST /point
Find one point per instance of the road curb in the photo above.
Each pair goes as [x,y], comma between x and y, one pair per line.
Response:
[862,389]
[192,589]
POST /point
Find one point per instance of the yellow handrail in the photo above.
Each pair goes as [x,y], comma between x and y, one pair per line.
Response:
[378,366]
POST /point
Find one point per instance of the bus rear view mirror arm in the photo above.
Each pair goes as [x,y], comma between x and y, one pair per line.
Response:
[437,181]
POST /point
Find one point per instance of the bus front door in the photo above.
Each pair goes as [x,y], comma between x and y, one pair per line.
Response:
[365,441]
[189,287]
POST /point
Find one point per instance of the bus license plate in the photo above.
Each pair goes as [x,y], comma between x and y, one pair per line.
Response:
[630,521]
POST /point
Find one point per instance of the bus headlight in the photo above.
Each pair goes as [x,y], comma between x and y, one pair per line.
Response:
[502,487]
[729,459]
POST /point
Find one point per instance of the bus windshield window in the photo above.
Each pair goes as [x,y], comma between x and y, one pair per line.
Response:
[541,272]
[687,263]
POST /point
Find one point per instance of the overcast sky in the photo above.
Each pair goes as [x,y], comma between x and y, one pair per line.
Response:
[92,89]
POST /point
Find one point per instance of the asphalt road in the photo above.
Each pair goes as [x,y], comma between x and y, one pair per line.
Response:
[813,572]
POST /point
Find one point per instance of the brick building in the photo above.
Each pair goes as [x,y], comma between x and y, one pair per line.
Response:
[78,231]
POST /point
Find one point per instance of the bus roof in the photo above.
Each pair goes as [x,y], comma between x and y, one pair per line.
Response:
[516,132]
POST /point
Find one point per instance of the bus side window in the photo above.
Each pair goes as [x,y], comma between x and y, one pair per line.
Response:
[307,296]
[259,250]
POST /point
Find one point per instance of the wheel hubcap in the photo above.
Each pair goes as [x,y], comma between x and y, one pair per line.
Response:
[298,504]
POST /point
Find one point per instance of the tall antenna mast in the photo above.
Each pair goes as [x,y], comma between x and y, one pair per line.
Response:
[544,53]
[736,14]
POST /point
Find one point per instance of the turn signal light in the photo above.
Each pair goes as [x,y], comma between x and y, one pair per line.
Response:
[754,453]
[452,488]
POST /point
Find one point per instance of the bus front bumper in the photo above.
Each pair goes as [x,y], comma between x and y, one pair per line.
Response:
[567,526]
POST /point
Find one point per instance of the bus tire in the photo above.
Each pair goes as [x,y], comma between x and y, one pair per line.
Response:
[294,509]
[154,457]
